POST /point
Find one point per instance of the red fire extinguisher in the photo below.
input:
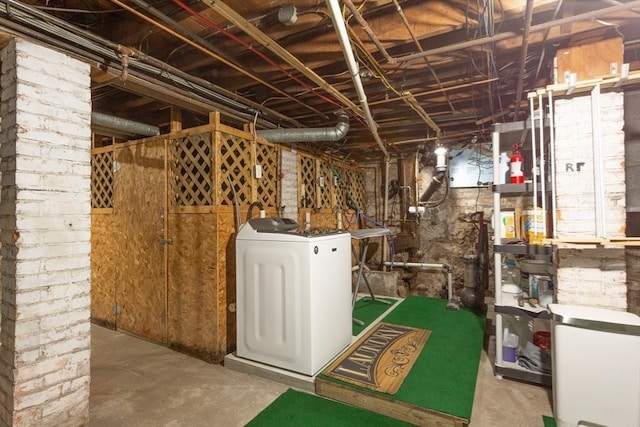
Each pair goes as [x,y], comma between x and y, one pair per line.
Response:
[517,176]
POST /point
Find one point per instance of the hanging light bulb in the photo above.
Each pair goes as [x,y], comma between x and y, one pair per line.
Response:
[441,158]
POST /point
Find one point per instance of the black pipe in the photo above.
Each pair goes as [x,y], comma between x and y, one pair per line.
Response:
[250,211]
[436,182]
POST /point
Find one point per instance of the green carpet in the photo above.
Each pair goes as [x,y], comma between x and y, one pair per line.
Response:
[444,376]
[548,421]
[368,311]
[294,408]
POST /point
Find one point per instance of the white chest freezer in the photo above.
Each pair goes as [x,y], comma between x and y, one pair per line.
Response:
[293,295]
[596,366]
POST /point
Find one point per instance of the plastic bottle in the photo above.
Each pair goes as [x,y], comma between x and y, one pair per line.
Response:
[503,168]
[509,344]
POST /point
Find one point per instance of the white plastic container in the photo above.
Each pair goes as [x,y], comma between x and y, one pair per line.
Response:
[596,366]
[504,169]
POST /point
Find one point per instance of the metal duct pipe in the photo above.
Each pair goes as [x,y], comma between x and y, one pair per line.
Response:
[119,127]
[335,133]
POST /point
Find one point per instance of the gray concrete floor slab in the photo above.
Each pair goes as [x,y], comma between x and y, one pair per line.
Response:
[138,383]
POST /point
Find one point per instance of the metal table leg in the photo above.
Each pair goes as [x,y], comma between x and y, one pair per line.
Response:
[360,260]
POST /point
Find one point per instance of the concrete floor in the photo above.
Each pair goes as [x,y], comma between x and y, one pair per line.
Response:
[138,383]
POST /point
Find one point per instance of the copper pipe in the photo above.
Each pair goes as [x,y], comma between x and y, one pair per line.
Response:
[125,54]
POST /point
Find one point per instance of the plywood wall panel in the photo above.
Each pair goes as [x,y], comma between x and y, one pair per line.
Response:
[193,280]
[227,273]
[138,253]
[182,293]
[325,219]
[103,280]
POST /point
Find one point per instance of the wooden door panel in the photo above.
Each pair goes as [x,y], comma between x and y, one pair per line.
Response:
[193,293]
[138,214]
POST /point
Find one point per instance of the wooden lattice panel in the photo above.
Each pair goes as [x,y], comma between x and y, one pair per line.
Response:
[267,158]
[356,180]
[191,170]
[340,187]
[307,181]
[325,180]
[102,180]
[235,165]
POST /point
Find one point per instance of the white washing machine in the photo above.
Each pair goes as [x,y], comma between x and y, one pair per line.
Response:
[293,294]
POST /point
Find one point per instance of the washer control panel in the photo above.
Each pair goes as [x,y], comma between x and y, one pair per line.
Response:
[271,225]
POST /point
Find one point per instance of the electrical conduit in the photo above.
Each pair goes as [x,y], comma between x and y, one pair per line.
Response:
[341,31]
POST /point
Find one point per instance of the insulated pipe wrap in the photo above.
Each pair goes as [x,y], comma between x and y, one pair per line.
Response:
[122,126]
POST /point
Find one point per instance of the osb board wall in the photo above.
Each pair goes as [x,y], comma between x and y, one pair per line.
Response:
[327,219]
[193,285]
[591,60]
[138,227]
[103,270]
[180,293]
[103,293]
[226,252]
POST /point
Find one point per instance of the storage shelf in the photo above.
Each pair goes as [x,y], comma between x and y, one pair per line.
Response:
[518,189]
[513,370]
[523,249]
[504,135]
[593,242]
[519,126]
[512,308]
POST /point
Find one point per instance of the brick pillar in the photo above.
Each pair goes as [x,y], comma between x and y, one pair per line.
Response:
[45,233]
[588,276]
[289,183]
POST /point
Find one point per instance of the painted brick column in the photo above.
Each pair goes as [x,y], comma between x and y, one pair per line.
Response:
[588,276]
[45,232]
[289,183]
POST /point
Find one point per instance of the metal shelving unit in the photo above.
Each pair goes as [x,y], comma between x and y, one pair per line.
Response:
[507,309]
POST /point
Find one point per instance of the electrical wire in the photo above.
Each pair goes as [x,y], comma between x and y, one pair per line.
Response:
[249,47]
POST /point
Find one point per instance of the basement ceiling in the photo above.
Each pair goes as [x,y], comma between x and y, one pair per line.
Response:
[429,70]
